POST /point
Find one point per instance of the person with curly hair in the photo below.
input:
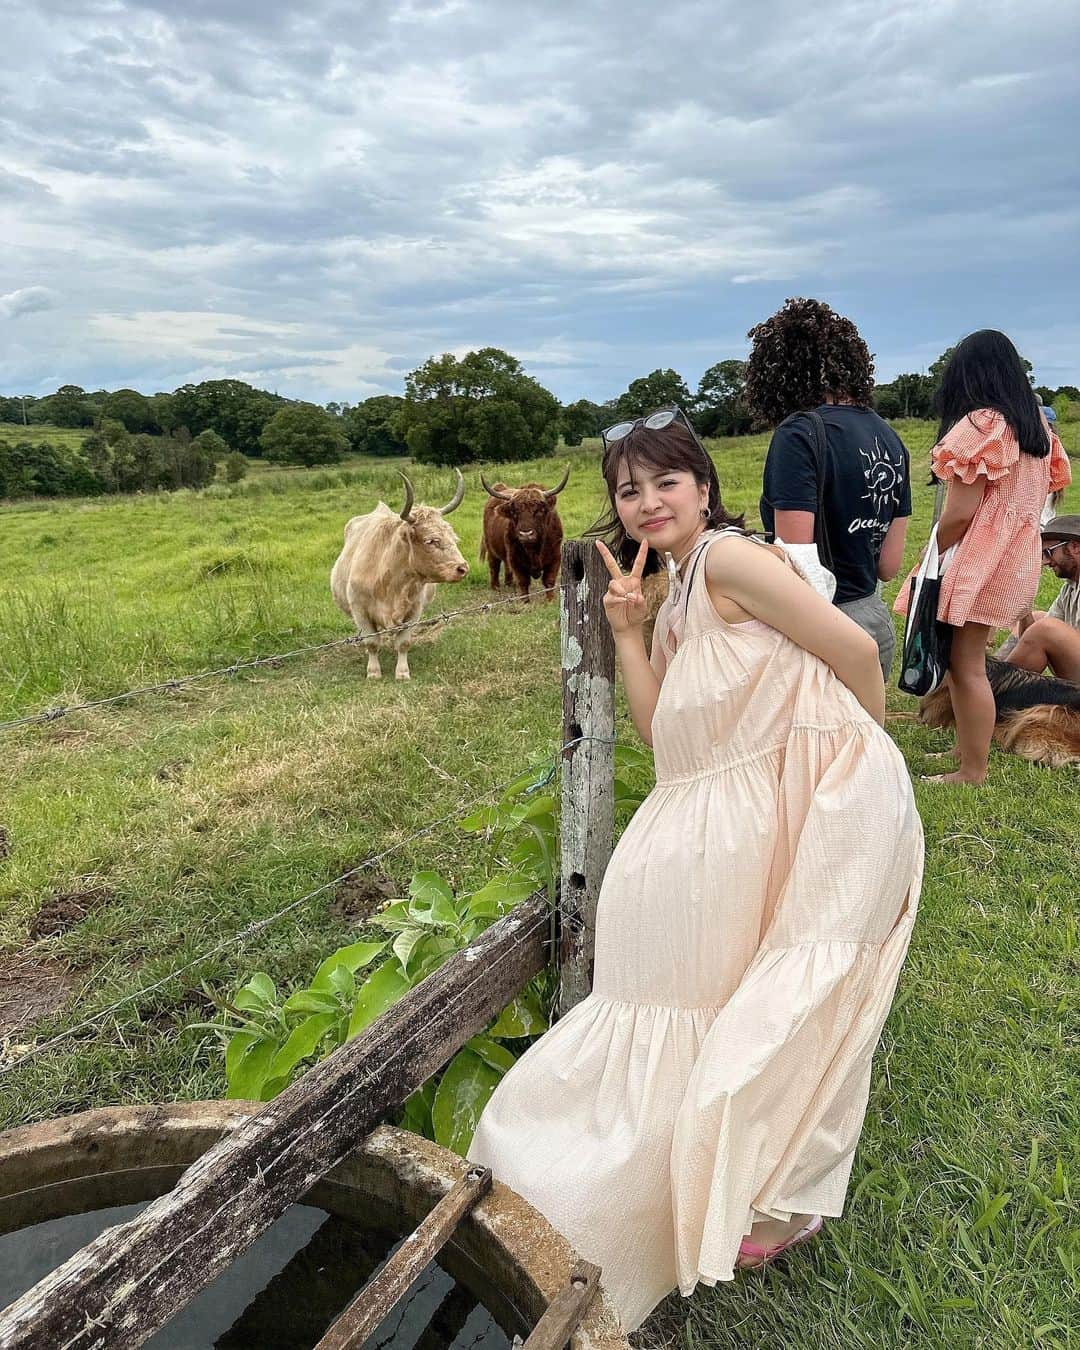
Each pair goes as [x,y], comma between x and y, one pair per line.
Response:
[836,474]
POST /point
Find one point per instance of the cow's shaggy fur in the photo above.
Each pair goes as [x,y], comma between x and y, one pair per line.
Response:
[523,532]
[387,571]
[1038,716]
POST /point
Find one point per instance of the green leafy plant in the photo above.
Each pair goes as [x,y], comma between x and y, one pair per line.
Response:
[270,1038]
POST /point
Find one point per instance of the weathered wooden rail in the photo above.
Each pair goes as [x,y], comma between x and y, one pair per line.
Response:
[126,1284]
[407,1264]
[121,1288]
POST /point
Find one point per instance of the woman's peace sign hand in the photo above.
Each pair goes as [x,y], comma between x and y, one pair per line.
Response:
[624,603]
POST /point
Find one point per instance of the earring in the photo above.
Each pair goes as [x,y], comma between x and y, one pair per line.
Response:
[705,513]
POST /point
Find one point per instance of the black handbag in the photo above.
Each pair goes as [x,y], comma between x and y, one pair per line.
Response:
[927,641]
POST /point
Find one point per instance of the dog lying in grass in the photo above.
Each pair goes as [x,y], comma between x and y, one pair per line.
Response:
[1038,716]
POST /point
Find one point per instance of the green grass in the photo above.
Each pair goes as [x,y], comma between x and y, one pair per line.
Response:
[203,810]
[70,437]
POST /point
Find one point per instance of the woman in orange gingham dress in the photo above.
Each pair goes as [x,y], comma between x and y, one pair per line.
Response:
[999,458]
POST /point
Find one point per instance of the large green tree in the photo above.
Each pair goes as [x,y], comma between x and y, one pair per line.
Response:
[303,433]
[70,406]
[131,408]
[658,389]
[580,419]
[370,426]
[235,410]
[481,407]
[720,404]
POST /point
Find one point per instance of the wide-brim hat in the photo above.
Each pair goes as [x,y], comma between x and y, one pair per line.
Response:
[1062,527]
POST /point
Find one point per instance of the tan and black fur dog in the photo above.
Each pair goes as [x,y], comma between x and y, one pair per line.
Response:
[1038,716]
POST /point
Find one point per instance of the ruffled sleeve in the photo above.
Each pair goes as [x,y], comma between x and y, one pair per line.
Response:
[981,443]
[1060,468]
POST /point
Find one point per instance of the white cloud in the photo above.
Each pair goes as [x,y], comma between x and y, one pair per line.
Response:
[329,194]
[28,300]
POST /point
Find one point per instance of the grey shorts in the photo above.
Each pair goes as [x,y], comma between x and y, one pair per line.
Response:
[870,614]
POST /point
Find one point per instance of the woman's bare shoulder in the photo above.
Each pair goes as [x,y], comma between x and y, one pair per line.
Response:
[740,551]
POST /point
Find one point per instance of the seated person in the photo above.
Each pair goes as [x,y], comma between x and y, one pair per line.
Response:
[1052,638]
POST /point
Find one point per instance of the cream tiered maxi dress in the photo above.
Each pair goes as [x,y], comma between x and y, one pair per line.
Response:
[751,928]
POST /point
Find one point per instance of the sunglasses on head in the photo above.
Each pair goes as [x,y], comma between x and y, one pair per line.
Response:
[655,421]
[1050,549]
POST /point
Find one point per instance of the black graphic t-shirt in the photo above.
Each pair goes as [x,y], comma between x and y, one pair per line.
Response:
[867,484]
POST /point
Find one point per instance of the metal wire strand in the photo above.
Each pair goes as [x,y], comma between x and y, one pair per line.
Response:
[170,686]
[238,938]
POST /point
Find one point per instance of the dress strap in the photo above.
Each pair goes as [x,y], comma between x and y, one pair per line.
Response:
[689,613]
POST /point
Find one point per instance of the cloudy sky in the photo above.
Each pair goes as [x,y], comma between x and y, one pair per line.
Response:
[316,198]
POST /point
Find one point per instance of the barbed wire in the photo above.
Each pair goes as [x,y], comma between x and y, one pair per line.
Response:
[545,773]
[353,640]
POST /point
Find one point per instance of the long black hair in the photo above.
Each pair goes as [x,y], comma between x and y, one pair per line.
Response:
[985,371]
[672,447]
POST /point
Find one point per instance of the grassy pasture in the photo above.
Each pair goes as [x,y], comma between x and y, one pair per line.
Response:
[36,432]
[190,815]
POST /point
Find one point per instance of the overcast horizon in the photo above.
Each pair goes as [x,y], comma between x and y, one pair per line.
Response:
[315,203]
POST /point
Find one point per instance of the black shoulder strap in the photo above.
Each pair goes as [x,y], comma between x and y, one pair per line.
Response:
[820,442]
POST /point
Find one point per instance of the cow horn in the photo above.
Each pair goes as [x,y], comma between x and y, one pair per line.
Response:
[406,514]
[554,492]
[502,496]
[455,500]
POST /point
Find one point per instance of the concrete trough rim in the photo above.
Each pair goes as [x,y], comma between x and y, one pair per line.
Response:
[520,1254]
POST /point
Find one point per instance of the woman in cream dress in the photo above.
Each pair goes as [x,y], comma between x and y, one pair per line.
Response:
[700,1109]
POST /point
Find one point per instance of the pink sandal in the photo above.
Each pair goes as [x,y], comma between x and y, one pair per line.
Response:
[752,1255]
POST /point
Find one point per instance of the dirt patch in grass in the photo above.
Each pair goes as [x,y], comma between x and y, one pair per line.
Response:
[66,909]
[171,771]
[30,989]
[358,896]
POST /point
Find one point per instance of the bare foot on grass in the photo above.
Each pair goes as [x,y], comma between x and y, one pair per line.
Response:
[961,777]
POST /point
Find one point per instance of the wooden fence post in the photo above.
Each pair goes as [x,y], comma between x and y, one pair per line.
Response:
[588,771]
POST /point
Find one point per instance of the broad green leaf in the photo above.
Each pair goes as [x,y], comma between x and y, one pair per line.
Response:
[436,951]
[462,1094]
[416,1113]
[248,1000]
[432,900]
[353,958]
[626,794]
[396,923]
[263,987]
[630,757]
[499,895]
[376,994]
[406,944]
[309,1001]
[237,1048]
[272,1086]
[302,1042]
[341,980]
[495,1056]
[527,854]
[425,884]
[525,780]
[482,819]
[523,1017]
[540,810]
[249,1074]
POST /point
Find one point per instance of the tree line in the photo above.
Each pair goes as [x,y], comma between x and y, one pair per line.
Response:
[455,410]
